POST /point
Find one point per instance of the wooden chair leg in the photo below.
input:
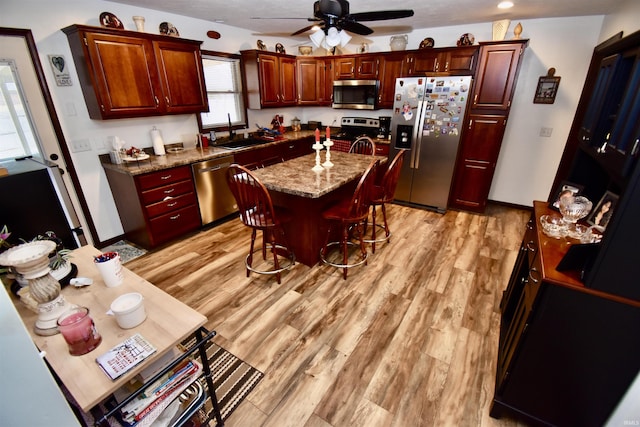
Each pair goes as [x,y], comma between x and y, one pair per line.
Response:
[345,249]
[373,229]
[387,233]
[274,250]
[250,258]
[363,248]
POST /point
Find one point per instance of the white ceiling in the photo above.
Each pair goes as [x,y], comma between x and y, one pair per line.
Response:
[428,13]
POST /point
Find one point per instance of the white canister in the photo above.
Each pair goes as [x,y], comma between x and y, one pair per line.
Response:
[129,310]
[399,42]
[158,143]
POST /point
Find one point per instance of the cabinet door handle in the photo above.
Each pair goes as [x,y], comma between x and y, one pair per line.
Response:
[166,98]
[165,177]
[170,205]
[475,99]
[446,66]
[173,218]
[470,123]
[533,279]
[169,191]
[157,100]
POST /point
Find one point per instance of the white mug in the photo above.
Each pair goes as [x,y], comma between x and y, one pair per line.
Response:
[110,268]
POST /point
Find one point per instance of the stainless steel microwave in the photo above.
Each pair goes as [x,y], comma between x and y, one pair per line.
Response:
[355,94]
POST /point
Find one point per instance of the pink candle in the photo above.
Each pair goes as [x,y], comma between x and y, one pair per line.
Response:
[328,133]
[79,331]
[317,135]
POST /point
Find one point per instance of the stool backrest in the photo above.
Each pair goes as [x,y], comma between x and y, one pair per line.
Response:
[391,176]
[361,200]
[363,145]
[254,201]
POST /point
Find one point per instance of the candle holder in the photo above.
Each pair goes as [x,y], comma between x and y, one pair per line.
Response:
[32,261]
[328,143]
[317,146]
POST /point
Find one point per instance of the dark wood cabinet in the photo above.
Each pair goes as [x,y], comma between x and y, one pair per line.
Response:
[479,149]
[390,68]
[567,352]
[155,207]
[356,67]
[274,153]
[130,74]
[460,60]
[481,140]
[315,81]
[270,79]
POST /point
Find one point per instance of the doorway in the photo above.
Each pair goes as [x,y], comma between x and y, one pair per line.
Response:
[18,47]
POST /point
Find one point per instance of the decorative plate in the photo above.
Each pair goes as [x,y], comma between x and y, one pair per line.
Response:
[280,48]
[168,29]
[135,159]
[427,43]
[467,39]
[110,20]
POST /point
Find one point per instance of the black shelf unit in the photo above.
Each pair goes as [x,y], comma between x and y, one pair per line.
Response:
[202,336]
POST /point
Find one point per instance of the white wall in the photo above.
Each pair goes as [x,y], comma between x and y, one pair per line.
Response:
[552,44]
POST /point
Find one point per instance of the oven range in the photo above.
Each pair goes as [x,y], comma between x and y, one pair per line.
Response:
[353,127]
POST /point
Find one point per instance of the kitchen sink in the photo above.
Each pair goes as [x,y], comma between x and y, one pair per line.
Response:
[241,143]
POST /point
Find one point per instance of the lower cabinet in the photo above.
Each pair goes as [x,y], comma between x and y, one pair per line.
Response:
[156,207]
[567,353]
[271,154]
[476,163]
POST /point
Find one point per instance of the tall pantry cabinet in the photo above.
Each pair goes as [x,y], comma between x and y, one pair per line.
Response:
[494,85]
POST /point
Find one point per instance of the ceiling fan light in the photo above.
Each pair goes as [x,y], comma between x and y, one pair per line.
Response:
[344,38]
[333,37]
[317,38]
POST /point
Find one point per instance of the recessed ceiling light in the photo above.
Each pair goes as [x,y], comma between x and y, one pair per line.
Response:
[218,21]
[505,5]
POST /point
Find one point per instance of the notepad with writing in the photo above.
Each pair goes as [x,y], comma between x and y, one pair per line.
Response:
[125,356]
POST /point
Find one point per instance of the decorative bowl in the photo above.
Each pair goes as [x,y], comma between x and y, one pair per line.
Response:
[552,226]
[574,208]
[305,50]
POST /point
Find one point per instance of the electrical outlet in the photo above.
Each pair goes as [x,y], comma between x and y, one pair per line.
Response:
[80,145]
[546,132]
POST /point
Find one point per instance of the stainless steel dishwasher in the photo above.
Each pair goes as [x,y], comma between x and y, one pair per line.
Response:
[214,197]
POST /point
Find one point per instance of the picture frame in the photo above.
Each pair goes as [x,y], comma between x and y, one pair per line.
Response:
[547,88]
[600,216]
[565,187]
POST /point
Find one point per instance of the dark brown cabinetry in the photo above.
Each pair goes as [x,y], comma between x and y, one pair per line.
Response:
[356,67]
[131,74]
[271,154]
[494,85]
[567,352]
[390,68]
[270,79]
[155,207]
[460,60]
[315,81]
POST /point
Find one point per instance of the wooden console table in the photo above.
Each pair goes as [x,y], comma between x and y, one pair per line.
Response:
[168,323]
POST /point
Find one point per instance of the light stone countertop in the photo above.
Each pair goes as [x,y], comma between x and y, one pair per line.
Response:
[296,176]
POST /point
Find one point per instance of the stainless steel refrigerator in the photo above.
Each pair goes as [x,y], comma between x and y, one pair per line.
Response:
[428,113]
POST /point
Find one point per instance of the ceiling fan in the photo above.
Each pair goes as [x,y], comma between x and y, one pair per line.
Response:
[335,14]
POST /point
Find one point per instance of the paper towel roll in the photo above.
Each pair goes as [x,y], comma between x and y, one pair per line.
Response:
[158,143]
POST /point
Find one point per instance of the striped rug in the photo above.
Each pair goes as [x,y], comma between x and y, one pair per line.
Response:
[232,378]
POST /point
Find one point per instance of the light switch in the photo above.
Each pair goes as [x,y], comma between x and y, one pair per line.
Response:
[80,145]
[546,132]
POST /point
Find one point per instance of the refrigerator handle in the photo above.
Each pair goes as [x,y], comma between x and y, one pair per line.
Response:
[417,132]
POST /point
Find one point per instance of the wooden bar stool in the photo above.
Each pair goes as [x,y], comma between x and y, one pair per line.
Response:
[363,145]
[382,193]
[258,213]
[350,215]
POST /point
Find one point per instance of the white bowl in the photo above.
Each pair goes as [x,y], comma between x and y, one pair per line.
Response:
[129,310]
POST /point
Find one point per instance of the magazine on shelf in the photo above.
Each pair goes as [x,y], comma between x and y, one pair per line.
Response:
[124,356]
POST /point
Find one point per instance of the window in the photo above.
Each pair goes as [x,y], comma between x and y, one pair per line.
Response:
[17,135]
[224,92]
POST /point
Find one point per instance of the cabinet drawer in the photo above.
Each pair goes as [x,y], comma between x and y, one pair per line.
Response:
[157,179]
[161,193]
[174,224]
[382,149]
[171,204]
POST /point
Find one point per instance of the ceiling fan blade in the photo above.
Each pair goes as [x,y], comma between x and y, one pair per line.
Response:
[304,30]
[355,27]
[382,15]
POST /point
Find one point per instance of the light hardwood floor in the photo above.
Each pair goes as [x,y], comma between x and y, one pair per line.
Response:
[408,340]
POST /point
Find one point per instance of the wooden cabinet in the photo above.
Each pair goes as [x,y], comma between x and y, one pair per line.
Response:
[479,149]
[130,74]
[270,79]
[481,140]
[461,60]
[567,352]
[315,81]
[155,207]
[497,75]
[356,67]
[390,68]
[274,153]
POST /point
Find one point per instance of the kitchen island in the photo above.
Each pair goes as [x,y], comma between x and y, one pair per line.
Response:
[306,193]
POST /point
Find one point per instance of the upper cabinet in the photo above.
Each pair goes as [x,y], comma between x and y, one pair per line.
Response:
[390,68]
[315,82]
[130,74]
[458,60]
[270,79]
[356,67]
[497,75]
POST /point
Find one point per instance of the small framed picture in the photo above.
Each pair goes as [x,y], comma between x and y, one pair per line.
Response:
[565,188]
[547,88]
[600,216]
